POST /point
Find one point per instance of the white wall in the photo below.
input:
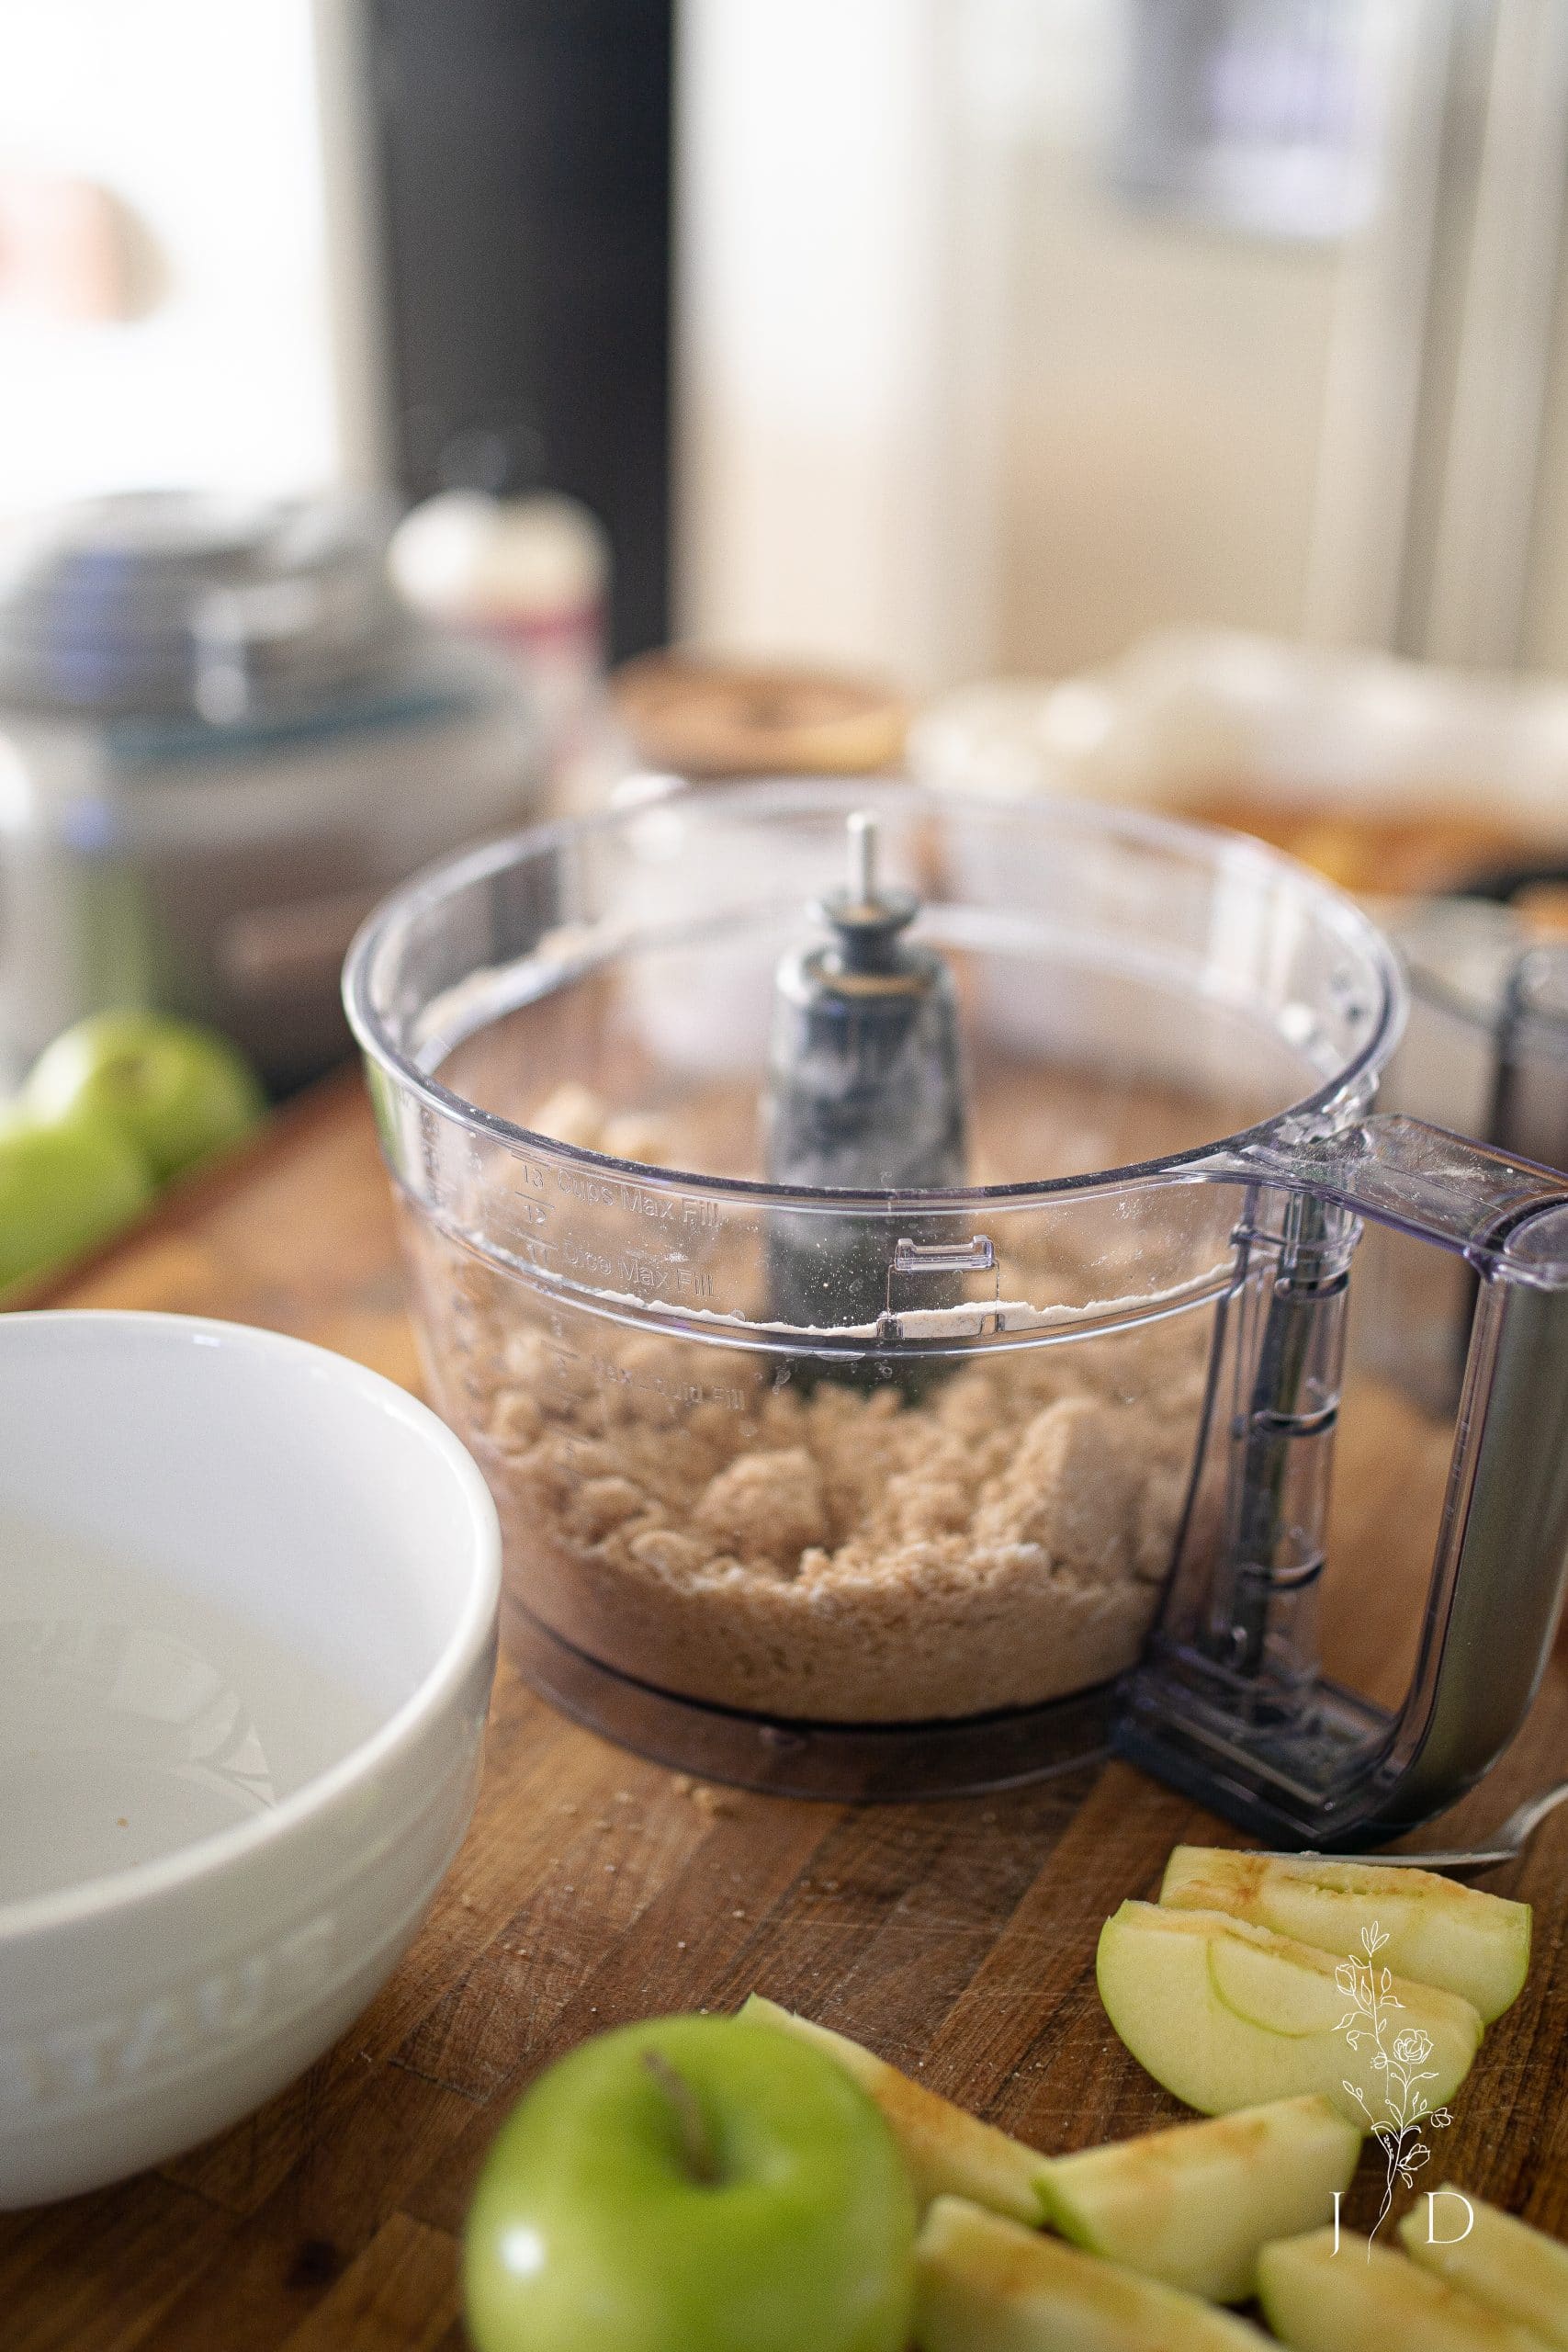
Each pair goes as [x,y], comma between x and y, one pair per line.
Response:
[201,116]
[812,139]
[1163,392]
[948,405]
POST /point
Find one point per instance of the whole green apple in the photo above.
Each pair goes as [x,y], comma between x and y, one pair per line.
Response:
[694,2184]
[64,1184]
[180,1092]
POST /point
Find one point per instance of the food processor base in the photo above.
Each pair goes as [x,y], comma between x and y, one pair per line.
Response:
[889,1763]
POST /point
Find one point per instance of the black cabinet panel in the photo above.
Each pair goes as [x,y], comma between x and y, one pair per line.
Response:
[524,158]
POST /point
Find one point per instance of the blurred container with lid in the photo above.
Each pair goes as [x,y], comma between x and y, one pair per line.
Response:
[221,737]
[1439,794]
[1390,775]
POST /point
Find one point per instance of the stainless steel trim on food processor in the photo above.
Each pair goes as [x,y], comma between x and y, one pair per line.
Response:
[1227,1700]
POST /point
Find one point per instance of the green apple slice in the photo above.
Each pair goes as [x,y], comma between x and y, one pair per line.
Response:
[983,2284]
[946,2150]
[1501,2261]
[1226,2015]
[1354,2298]
[1437,1933]
[1192,2205]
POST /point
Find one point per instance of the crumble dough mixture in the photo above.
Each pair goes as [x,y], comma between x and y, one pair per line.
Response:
[687,1514]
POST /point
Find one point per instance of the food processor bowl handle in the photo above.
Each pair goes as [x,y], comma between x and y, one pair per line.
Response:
[1228,1702]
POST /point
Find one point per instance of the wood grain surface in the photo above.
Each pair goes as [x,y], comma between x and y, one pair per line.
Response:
[957,1937]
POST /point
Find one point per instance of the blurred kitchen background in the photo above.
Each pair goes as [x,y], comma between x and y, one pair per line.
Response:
[1199,364]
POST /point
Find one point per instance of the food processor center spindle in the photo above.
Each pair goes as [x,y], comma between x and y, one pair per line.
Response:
[864,1093]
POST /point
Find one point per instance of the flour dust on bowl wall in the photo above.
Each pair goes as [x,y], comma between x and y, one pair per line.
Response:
[864,1238]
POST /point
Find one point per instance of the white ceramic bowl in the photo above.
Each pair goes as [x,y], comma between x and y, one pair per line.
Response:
[248,1597]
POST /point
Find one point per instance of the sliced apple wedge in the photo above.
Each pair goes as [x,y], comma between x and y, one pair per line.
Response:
[1364,2299]
[947,2150]
[1226,2015]
[1501,2261]
[1193,2205]
[983,2284]
[1438,1933]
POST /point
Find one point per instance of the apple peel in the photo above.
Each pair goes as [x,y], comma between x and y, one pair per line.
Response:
[986,2284]
[948,2151]
[1193,2205]
[1322,2295]
[1500,2260]
[1437,1932]
[1226,2015]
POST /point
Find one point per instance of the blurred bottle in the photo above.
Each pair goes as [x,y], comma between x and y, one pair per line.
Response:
[531,575]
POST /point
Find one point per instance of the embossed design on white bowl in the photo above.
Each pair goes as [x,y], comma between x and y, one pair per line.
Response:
[248,1594]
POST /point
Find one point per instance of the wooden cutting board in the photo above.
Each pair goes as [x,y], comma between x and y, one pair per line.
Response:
[957,1937]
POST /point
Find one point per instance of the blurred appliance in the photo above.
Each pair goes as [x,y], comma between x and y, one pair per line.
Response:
[221,737]
[1487,1046]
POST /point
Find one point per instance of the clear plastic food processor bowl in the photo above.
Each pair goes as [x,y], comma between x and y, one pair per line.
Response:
[1007,1466]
